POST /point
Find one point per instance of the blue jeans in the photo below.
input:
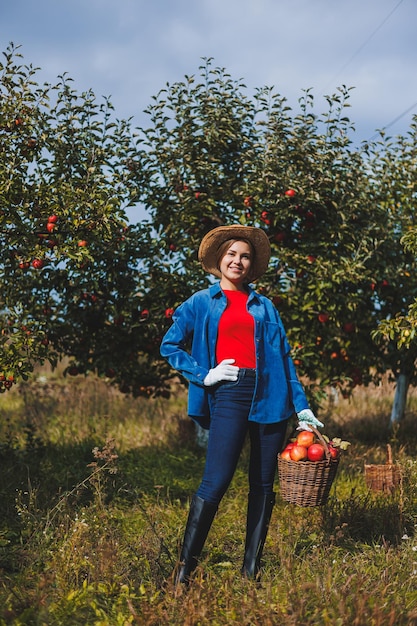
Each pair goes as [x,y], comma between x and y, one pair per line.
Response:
[229,426]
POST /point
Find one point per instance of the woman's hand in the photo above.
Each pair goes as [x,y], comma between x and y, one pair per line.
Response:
[223,371]
[306,418]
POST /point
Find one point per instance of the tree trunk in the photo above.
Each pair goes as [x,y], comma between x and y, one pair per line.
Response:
[400,399]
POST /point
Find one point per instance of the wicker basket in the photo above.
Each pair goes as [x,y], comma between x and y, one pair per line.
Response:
[385,477]
[307,483]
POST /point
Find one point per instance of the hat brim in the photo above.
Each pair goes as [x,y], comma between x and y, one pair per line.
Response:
[209,246]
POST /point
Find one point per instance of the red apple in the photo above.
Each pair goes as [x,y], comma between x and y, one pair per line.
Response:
[315,452]
[265,218]
[286,455]
[311,259]
[37,264]
[305,438]
[334,452]
[50,227]
[323,318]
[52,219]
[82,243]
[248,201]
[290,193]
[298,453]
[169,313]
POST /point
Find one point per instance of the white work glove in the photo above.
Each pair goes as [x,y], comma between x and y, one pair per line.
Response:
[223,371]
[306,418]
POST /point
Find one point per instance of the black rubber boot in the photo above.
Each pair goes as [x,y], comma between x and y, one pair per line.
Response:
[199,521]
[259,514]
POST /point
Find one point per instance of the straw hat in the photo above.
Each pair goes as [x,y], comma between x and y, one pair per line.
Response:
[209,246]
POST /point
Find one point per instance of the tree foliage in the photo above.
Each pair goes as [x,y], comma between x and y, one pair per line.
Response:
[73,270]
[78,280]
[213,155]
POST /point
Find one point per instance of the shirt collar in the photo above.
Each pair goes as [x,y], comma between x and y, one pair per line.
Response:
[215,290]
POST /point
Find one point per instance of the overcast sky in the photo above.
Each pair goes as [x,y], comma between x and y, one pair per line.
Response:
[130,49]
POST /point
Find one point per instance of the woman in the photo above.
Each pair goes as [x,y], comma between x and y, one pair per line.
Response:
[229,342]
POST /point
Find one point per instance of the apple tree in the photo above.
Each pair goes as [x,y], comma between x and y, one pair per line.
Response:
[393,165]
[79,280]
[74,277]
[214,155]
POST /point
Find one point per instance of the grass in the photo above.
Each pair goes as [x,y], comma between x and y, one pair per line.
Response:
[95,487]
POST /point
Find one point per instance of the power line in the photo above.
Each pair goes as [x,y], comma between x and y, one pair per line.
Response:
[375,135]
[355,54]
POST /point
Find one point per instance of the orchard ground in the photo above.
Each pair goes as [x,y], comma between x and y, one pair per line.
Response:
[95,487]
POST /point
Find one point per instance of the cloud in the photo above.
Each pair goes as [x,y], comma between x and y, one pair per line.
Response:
[130,49]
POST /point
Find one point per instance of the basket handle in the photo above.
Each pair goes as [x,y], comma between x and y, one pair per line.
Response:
[389,454]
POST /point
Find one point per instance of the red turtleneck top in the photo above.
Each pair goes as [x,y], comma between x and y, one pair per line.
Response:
[235,339]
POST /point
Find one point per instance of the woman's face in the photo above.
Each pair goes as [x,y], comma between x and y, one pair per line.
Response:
[236,264]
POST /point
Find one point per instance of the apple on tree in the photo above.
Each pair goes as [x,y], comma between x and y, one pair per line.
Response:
[290,193]
[323,317]
[266,218]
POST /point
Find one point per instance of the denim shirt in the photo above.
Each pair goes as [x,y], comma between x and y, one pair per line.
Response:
[189,346]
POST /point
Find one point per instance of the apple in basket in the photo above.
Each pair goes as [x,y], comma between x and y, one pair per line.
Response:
[298,453]
[306,438]
[286,454]
[333,451]
[315,452]
[307,447]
